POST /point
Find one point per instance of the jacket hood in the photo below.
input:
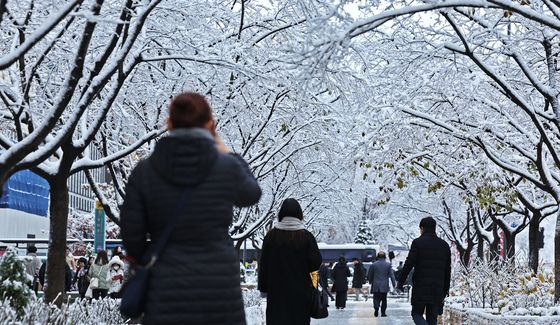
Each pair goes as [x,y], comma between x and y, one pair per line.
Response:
[185,156]
[116,260]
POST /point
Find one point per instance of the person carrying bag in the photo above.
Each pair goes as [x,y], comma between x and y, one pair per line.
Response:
[289,254]
[188,271]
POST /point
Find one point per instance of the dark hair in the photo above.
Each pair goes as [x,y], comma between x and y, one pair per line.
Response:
[83,260]
[429,224]
[189,110]
[117,251]
[102,257]
[341,260]
[290,208]
[32,249]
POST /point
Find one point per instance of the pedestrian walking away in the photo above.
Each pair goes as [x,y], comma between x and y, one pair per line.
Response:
[32,266]
[340,275]
[379,275]
[289,254]
[430,257]
[399,269]
[193,177]
[359,278]
[324,276]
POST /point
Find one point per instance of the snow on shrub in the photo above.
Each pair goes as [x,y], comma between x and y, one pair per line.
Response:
[254,307]
[104,311]
[15,283]
[529,295]
[504,285]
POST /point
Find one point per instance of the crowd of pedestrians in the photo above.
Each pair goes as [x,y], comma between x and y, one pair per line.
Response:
[94,278]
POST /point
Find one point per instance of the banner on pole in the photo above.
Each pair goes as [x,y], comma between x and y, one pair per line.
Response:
[99,233]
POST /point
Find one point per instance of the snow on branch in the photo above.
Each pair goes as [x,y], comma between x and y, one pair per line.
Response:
[35,37]
[86,163]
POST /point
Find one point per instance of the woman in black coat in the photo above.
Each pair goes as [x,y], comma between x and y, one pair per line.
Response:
[289,254]
[196,278]
[340,275]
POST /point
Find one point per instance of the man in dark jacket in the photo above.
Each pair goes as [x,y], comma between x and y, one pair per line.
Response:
[430,257]
[324,275]
[196,277]
[359,278]
[379,275]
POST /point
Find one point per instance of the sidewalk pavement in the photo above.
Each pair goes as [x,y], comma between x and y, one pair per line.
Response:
[361,313]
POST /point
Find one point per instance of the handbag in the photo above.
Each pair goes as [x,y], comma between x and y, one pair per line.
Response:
[94,283]
[319,303]
[135,290]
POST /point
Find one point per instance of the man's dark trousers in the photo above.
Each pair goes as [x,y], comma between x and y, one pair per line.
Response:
[431,314]
[380,298]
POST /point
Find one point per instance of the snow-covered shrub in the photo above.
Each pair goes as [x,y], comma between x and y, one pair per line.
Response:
[504,285]
[251,297]
[529,295]
[254,307]
[15,283]
[482,283]
[105,311]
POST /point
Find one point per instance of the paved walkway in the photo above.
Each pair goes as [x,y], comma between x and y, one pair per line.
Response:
[361,313]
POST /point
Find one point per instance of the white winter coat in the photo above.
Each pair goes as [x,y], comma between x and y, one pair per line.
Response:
[116,281]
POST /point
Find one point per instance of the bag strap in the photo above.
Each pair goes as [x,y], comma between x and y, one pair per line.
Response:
[158,246]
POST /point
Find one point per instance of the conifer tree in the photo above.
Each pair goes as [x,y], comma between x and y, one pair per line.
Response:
[15,283]
[364,234]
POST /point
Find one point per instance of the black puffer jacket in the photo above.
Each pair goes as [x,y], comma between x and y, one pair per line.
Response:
[430,257]
[196,279]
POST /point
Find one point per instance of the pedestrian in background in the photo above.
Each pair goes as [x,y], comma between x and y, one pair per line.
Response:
[80,277]
[32,266]
[99,276]
[379,275]
[70,259]
[340,275]
[358,278]
[324,276]
[116,276]
[289,254]
[430,257]
[193,178]
[44,280]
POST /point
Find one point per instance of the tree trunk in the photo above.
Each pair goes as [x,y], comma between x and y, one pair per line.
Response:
[56,257]
[509,246]
[464,254]
[534,243]
[480,249]
[494,246]
[557,260]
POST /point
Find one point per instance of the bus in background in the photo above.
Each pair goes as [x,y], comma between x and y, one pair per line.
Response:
[329,252]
